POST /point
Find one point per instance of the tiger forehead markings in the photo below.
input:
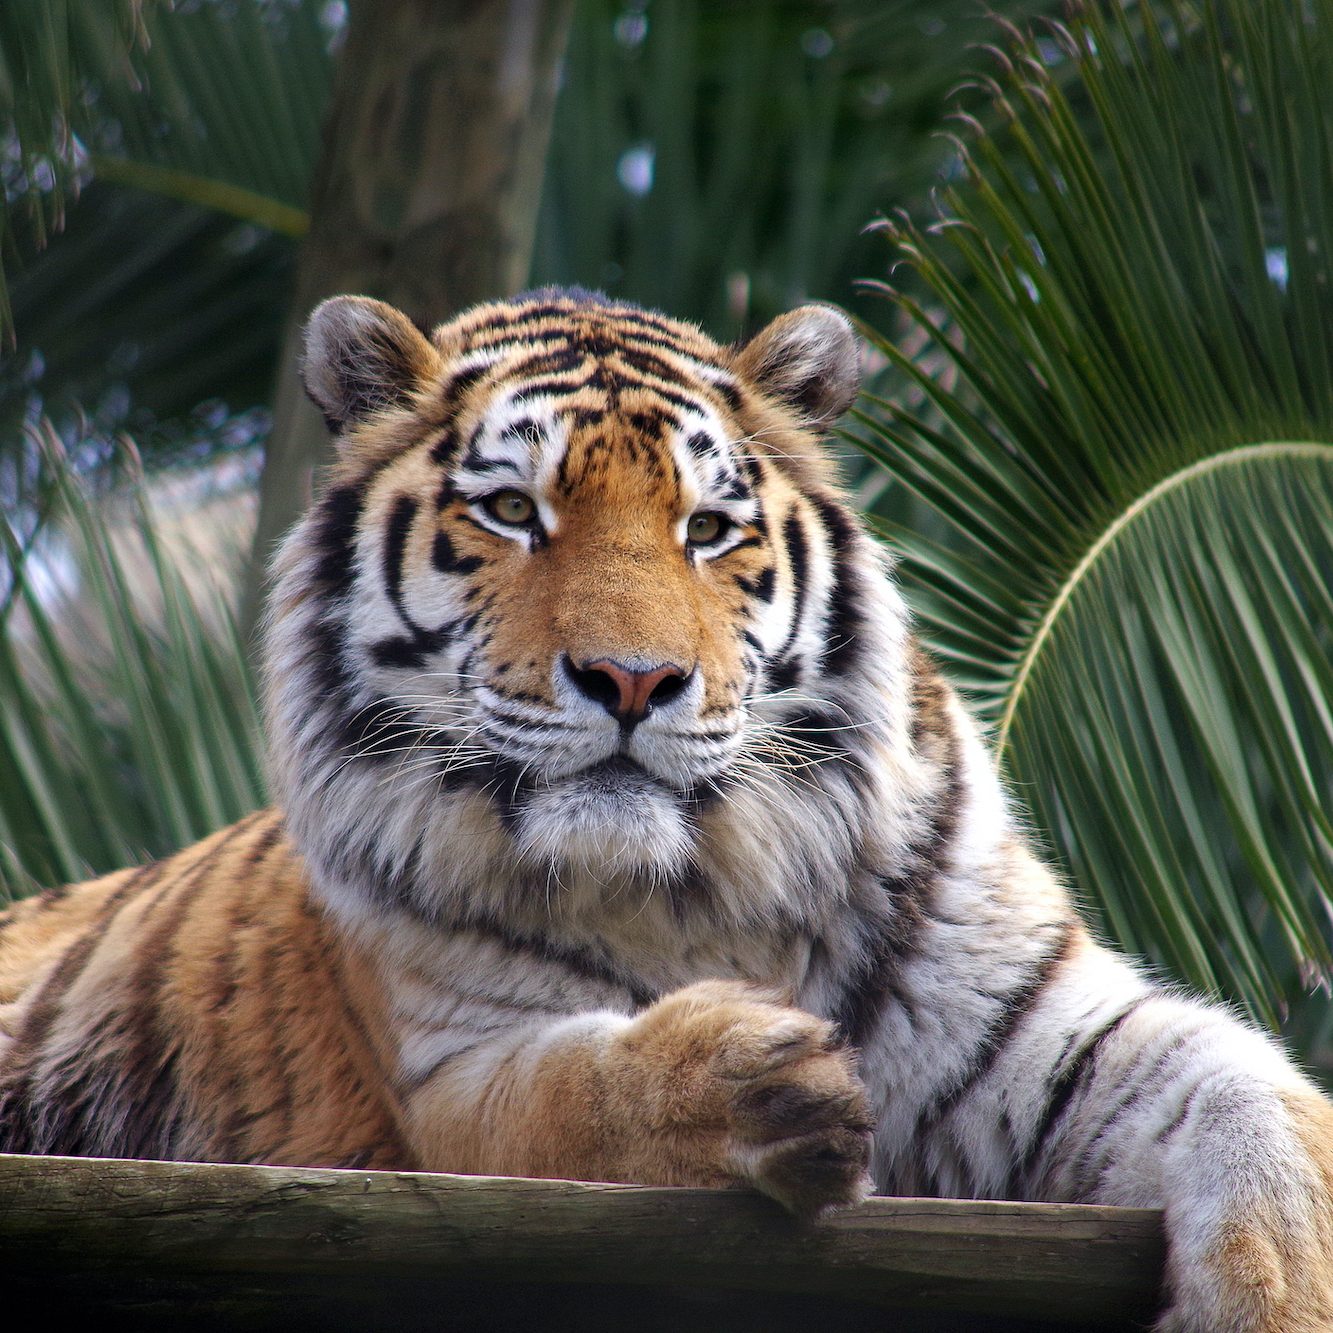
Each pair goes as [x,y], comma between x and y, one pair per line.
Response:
[627,833]
[617,457]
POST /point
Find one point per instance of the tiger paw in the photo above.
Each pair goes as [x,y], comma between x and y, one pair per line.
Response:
[736,1089]
[1250,1240]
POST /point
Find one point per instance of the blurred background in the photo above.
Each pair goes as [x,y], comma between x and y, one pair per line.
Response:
[1089,247]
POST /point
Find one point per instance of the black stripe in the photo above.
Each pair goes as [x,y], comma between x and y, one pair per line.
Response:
[395,543]
[784,675]
[818,735]
[559,303]
[652,423]
[333,535]
[1180,1116]
[524,431]
[754,540]
[1068,1080]
[265,843]
[844,623]
[894,925]
[798,555]
[631,318]
[729,394]
[133,1092]
[586,962]
[447,561]
[506,785]
[1015,1008]
[548,362]
[226,964]
[888,936]
[349,729]
[445,447]
[44,1009]
[1135,1085]
[390,884]
[412,650]
[649,363]
[680,400]
[402,653]
[457,386]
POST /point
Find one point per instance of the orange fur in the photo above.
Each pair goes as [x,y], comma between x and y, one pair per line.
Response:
[268,1021]
[711,1085]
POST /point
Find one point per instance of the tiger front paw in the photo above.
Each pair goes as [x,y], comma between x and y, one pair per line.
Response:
[1261,1260]
[738,1089]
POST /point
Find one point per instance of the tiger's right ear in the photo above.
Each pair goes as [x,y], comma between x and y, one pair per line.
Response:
[360,356]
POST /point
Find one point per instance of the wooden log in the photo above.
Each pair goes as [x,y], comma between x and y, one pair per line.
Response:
[362,1249]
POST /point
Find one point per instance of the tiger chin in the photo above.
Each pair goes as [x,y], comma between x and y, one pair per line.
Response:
[624,832]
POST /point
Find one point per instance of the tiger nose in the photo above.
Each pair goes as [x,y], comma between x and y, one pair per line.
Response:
[626,693]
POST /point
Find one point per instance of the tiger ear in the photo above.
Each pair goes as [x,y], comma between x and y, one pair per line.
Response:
[360,356]
[808,360]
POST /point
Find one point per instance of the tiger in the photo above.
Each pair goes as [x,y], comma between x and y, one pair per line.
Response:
[625,831]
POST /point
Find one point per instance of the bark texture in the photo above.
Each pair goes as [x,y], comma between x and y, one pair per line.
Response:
[280,1247]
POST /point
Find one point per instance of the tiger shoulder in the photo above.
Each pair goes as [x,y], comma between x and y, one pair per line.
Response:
[625,832]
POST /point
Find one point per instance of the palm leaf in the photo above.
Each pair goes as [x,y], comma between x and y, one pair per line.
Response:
[1130,483]
[722,161]
[215,105]
[128,725]
[141,310]
[775,132]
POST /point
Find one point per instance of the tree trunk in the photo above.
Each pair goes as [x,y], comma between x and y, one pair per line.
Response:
[426,195]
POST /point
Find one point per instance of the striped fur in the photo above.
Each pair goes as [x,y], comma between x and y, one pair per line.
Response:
[509,920]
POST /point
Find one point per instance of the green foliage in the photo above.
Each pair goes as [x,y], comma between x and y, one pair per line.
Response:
[198,127]
[721,161]
[773,131]
[44,45]
[130,734]
[1128,468]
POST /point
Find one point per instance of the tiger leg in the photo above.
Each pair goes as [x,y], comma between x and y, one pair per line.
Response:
[1180,1106]
[712,1085]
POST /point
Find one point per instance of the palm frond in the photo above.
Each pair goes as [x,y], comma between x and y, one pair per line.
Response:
[722,161]
[143,309]
[1130,482]
[128,724]
[212,104]
[765,136]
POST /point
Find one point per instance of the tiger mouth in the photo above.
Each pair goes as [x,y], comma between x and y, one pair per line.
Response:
[617,776]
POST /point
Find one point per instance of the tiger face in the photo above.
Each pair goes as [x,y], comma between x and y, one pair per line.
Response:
[579,576]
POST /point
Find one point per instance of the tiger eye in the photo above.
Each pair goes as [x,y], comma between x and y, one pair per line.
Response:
[510,507]
[704,528]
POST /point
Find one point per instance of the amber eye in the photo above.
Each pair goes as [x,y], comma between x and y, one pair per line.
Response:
[705,529]
[511,507]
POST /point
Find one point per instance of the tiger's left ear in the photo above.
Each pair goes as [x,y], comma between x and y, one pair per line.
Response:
[808,360]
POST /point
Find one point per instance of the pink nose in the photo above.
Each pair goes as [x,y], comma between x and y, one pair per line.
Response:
[624,692]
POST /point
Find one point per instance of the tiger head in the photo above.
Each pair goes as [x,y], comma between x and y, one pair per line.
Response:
[579,605]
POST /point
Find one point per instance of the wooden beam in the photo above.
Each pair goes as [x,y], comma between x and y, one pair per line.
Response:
[343,1246]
